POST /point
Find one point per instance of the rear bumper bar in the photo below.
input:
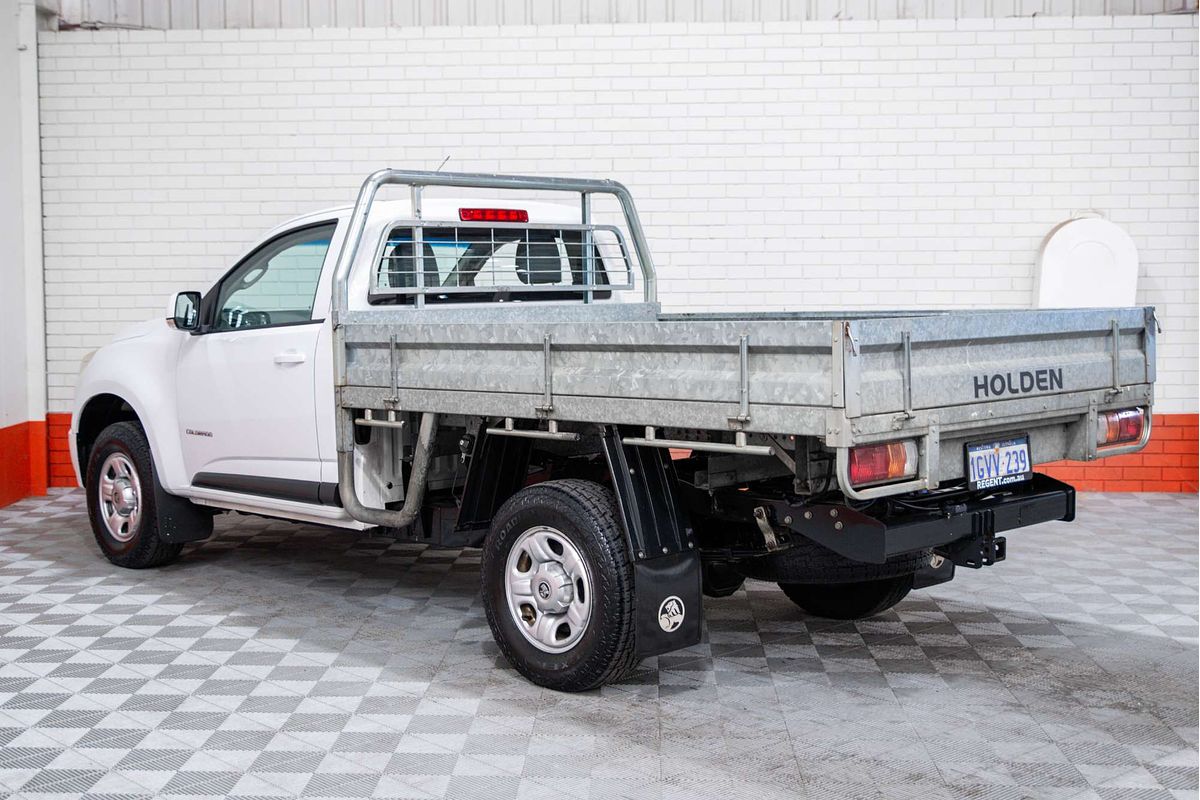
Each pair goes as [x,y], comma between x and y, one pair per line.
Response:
[961,528]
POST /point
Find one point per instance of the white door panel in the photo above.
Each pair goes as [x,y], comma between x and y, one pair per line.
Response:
[244,411]
[245,383]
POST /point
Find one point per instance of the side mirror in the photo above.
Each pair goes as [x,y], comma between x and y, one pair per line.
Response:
[185,311]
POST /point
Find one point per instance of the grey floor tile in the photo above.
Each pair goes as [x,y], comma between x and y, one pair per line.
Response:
[290,661]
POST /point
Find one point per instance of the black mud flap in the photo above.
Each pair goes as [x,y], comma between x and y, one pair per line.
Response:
[668,603]
[180,521]
[666,575]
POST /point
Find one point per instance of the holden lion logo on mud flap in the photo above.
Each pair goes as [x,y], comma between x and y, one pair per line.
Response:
[670,614]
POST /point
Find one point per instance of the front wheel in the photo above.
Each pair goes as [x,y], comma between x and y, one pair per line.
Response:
[557,581]
[132,517]
[858,600]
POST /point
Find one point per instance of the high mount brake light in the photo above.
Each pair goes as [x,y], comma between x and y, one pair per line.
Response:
[883,463]
[1120,427]
[493,215]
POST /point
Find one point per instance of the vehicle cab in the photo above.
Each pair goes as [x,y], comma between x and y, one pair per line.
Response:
[241,393]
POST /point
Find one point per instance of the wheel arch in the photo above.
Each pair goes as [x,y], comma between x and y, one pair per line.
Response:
[108,403]
[94,416]
[643,480]
[109,391]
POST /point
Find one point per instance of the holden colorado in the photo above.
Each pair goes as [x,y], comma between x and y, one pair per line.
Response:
[462,366]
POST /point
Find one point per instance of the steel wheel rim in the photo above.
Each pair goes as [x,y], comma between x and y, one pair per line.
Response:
[120,495]
[549,589]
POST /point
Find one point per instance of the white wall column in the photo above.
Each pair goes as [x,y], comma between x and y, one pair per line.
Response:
[22,304]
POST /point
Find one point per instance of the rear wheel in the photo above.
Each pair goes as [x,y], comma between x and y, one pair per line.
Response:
[557,583]
[858,600]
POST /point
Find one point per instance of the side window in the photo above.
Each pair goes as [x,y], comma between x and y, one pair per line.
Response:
[275,285]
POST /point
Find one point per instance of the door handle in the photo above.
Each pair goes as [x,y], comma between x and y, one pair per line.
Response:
[290,357]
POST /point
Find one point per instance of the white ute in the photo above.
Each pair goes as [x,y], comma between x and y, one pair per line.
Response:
[483,372]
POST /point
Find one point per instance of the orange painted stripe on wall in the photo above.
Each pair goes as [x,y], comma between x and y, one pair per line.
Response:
[1167,464]
[57,428]
[23,466]
[40,457]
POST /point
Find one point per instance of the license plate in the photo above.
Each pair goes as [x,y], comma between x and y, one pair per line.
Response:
[994,464]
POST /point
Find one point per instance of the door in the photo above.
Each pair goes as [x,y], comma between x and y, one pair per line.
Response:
[245,382]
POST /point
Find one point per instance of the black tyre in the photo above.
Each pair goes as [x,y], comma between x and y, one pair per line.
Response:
[131,515]
[858,600]
[557,581]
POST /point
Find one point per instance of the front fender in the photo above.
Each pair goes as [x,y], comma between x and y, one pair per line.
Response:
[141,371]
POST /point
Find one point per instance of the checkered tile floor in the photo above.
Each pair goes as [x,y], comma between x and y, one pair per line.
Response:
[279,660]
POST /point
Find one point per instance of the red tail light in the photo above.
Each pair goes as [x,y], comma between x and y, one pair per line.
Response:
[1120,427]
[493,215]
[883,463]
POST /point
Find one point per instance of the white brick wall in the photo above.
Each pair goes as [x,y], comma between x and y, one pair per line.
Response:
[798,165]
